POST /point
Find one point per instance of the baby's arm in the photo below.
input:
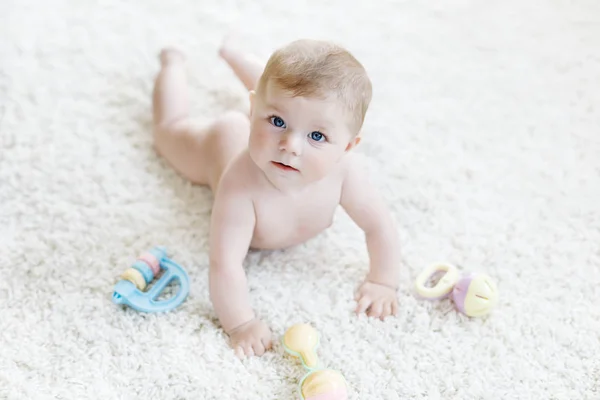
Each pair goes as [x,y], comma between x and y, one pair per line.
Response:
[361,200]
[232,225]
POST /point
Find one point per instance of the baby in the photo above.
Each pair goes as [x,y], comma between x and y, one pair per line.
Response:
[279,174]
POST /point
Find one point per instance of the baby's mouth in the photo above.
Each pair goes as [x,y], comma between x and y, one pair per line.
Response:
[283,166]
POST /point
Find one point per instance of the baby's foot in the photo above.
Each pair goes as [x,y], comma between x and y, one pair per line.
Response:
[229,44]
[251,339]
[170,55]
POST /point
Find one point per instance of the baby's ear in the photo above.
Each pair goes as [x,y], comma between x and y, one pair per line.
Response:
[354,142]
[252,96]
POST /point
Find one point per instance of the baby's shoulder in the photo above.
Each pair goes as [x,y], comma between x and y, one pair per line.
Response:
[353,163]
[241,175]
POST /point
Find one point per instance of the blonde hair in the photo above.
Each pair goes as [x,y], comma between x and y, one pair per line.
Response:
[318,68]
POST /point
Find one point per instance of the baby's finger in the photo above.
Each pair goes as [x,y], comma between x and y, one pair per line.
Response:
[239,352]
[267,343]
[387,310]
[258,348]
[358,293]
[376,309]
[248,349]
[394,307]
[363,304]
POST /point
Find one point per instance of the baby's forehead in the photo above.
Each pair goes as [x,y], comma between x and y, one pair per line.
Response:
[321,102]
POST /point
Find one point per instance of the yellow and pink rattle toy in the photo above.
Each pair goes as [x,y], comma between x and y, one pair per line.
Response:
[302,340]
[474,294]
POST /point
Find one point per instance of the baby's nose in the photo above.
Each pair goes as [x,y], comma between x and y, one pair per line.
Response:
[292,143]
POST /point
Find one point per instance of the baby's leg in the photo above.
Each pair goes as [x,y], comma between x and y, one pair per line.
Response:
[198,153]
[245,65]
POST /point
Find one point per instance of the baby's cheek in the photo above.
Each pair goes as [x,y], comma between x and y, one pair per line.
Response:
[266,138]
[258,140]
[320,166]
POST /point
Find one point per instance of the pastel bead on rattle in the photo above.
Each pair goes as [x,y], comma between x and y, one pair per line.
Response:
[474,295]
[131,290]
[302,340]
[324,384]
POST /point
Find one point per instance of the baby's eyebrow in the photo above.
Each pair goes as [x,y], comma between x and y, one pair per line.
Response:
[272,106]
[321,127]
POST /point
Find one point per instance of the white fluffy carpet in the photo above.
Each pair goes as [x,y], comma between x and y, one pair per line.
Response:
[485,127]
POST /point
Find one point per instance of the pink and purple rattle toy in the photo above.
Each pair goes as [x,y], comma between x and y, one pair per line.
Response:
[474,294]
[131,289]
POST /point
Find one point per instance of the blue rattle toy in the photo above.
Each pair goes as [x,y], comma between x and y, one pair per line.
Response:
[130,289]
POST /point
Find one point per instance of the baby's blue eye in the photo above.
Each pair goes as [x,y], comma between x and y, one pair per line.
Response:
[278,122]
[317,136]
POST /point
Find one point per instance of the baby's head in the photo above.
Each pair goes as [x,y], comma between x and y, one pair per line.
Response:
[308,109]
[319,69]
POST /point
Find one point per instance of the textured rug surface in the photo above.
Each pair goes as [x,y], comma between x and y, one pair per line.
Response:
[484,135]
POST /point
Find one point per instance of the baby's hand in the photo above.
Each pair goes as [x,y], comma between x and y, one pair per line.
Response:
[251,338]
[376,300]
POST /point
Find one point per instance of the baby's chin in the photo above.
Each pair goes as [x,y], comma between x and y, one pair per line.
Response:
[284,181]
[289,181]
